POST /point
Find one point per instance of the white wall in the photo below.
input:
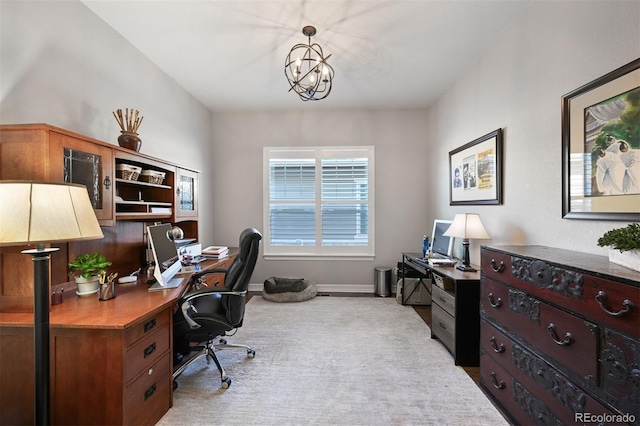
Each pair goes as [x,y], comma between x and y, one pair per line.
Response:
[553,48]
[402,187]
[62,65]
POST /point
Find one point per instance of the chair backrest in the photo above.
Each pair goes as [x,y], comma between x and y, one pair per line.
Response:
[239,273]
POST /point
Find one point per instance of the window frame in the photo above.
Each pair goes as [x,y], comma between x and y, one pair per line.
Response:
[317,251]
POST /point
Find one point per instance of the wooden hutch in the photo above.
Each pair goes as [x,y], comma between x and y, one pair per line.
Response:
[110,361]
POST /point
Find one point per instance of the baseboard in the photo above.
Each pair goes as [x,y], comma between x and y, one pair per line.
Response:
[331,288]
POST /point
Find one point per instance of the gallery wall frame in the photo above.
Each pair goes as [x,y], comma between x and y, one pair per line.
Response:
[475,171]
[601,148]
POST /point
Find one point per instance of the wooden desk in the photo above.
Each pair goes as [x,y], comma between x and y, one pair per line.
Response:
[111,361]
[455,309]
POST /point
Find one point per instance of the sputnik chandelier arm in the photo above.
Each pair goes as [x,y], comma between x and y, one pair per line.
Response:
[307,70]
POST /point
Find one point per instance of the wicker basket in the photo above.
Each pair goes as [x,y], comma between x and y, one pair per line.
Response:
[152,176]
[127,171]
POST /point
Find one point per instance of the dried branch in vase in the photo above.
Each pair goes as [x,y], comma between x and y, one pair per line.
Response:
[129,121]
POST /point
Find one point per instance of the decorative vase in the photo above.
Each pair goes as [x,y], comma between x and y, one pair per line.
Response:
[130,140]
[628,259]
[87,286]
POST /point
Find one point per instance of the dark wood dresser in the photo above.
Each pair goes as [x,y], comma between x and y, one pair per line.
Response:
[559,338]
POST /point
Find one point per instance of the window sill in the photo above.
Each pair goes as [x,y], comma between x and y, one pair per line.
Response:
[296,256]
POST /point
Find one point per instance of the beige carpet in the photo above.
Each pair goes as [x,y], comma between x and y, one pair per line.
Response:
[332,361]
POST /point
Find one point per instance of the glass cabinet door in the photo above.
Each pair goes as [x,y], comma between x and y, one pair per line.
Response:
[186,194]
[91,165]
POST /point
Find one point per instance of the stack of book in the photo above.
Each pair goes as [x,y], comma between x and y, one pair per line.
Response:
[215,252]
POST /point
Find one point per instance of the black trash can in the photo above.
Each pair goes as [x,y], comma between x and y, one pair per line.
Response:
[382,282]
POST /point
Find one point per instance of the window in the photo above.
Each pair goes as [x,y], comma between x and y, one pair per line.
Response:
[318,202]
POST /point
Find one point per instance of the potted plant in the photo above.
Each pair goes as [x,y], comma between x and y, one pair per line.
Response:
[90,266]
[624,245]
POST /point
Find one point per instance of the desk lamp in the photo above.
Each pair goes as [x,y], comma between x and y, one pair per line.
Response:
[467,226]
[39,213]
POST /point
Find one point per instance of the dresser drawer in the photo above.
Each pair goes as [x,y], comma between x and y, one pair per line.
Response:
[146,351]
[568,339]
[445,300]
[498,384]
[443,326]
[494,343]
[149,397]
[614,304]
[147,326]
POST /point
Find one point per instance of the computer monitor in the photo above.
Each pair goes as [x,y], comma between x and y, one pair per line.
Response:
[439,243]
[165,255]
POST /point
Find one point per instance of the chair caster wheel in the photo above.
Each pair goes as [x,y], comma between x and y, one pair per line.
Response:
[223,341]
[251,353]
[226,382]
[175,384]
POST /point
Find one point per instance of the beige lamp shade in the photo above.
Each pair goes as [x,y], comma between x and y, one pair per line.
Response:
[39,212]
[468,226]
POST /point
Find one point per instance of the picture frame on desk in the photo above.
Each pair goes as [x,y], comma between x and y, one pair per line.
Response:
[475,171]
[601,148]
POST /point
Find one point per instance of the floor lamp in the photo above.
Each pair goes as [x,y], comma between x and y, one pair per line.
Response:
[40,213]
[467,226]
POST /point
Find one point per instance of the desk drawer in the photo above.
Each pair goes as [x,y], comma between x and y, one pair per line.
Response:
[149,397]
[145,352]
[444,327]
[133,334]
[445,300]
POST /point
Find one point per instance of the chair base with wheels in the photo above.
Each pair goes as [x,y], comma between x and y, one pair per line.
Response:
[208,350]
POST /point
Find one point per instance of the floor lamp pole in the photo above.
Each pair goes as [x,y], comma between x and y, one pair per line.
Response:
[41,293]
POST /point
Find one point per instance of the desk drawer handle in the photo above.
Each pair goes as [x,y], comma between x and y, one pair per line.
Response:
[149,392]
[149,325]
[496,304]
[602,296]
[568,337]
[498,268]
[442,299]
[496,384]
[149,349]
[444,327]
[497,348]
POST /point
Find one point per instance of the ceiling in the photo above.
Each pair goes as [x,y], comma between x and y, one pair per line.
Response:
[230,54]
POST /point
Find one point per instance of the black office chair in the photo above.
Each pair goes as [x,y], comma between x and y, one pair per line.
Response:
[209,313]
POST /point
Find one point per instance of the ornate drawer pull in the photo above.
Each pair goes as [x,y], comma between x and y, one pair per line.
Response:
[497,349]
[498,268]
[495,304]
[568,337]
[602,296]
[496,384]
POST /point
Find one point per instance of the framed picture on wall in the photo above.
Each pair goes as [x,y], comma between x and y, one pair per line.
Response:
[475,171]
[601,148]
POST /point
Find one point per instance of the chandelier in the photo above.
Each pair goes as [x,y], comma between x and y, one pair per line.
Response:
[307,70]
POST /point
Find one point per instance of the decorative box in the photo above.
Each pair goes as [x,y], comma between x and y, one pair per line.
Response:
[128,171]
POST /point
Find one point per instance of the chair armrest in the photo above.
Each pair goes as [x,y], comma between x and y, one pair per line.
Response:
[185,301]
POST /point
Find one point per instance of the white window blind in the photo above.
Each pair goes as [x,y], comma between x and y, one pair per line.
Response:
[317,201]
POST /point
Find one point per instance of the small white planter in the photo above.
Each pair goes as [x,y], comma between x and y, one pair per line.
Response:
[628,259]
[87,286]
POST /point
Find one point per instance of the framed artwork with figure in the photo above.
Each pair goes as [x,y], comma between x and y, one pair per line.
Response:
[601,148]
[475,171]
